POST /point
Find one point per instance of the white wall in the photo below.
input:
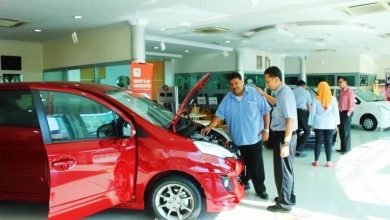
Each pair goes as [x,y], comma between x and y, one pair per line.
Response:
[32,58]
[292,65]
[107,44]
[367,64]
[206,63]
[332,63]
[250,60]
[380,65]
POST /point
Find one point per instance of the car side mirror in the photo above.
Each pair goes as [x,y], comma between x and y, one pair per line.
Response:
[357,101]
[105,130]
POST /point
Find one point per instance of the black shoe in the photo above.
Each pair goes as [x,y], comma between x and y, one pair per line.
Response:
[293,202]
[300,154]
[247,186]
[278,208]
[263,195]
[340,151]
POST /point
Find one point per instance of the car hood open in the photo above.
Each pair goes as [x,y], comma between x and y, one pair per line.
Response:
[186,105]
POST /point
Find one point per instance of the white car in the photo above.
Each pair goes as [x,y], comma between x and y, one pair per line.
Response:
[371,111]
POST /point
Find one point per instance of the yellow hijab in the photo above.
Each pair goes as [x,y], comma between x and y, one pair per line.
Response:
[324,94]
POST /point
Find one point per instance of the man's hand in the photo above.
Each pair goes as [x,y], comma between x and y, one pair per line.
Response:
[260,91]
[284,151]
[264,135]
[206,130]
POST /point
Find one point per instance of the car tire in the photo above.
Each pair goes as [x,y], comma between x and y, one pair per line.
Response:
[176,198]
[369,122]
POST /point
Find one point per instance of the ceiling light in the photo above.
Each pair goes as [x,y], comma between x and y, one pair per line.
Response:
[186,24]
[187,51]
[162,29]
[156,48]
[77,17]
[227,41]
[37,30]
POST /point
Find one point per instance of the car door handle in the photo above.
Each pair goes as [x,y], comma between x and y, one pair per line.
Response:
[63,163]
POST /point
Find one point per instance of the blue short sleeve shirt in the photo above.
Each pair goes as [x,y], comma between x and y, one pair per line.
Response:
[244,117]
[284,108]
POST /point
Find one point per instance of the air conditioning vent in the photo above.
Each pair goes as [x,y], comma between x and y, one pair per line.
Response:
[367,8]
[10,23]
[211,30]
[325,50]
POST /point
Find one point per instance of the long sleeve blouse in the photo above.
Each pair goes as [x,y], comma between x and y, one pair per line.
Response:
[321,118]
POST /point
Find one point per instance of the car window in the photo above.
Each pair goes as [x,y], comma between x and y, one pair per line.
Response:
[144,107]
[17,109]
[369,96]
[74,117]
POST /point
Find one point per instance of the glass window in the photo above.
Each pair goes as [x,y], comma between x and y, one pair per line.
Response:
[17,109]
[73,117]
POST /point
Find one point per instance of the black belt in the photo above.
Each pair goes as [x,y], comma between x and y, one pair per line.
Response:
[294,132]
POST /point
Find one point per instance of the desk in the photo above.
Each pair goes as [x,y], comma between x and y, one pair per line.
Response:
[196,116]
[203,122]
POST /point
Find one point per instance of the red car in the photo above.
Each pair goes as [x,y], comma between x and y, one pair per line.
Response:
[87,147]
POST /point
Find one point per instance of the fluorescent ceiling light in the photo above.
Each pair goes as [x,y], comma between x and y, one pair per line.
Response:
[37,30]
[227,41]
[187,51]
[187,43]
[77,17]
[164,54]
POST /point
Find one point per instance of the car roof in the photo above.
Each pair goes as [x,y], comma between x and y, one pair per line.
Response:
[60,85]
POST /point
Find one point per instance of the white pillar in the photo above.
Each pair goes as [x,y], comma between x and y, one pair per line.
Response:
[138,40]
[240,61]
[303,68]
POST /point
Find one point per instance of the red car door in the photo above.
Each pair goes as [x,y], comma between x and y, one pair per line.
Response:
[91,155]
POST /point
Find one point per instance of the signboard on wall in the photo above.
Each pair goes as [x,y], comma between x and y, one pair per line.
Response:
[141,78]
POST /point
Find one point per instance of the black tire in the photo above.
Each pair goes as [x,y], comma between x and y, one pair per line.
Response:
[369,122]
[176,198]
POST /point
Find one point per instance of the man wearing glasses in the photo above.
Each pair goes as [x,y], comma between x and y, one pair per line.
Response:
[346,108]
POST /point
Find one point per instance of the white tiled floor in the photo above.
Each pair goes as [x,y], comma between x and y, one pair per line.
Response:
[357,188]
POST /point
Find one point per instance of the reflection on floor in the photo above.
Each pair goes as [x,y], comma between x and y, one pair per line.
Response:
[357,188]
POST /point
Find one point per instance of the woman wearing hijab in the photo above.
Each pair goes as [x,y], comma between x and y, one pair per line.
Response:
[324,119]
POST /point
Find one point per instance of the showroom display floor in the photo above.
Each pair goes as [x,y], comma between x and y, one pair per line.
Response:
[357,188]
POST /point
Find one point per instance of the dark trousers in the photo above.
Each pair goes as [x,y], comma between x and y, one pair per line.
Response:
[345,131]
[303,118]
[252,155]
[323,135]
[283,168]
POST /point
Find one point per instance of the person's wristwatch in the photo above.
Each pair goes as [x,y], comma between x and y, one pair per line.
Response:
[286,143]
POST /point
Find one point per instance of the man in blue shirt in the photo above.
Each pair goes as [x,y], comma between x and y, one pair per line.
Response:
[283,138]
[246,114]
[303,100]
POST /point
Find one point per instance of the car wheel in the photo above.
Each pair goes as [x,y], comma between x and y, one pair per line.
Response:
[369,122]
[176,198]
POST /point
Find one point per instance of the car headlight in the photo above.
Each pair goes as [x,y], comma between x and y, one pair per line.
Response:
[213,149]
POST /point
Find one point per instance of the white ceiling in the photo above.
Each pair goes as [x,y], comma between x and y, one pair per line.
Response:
[290,27]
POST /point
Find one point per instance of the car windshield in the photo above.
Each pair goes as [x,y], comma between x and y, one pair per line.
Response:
[369,96]
[144,107]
